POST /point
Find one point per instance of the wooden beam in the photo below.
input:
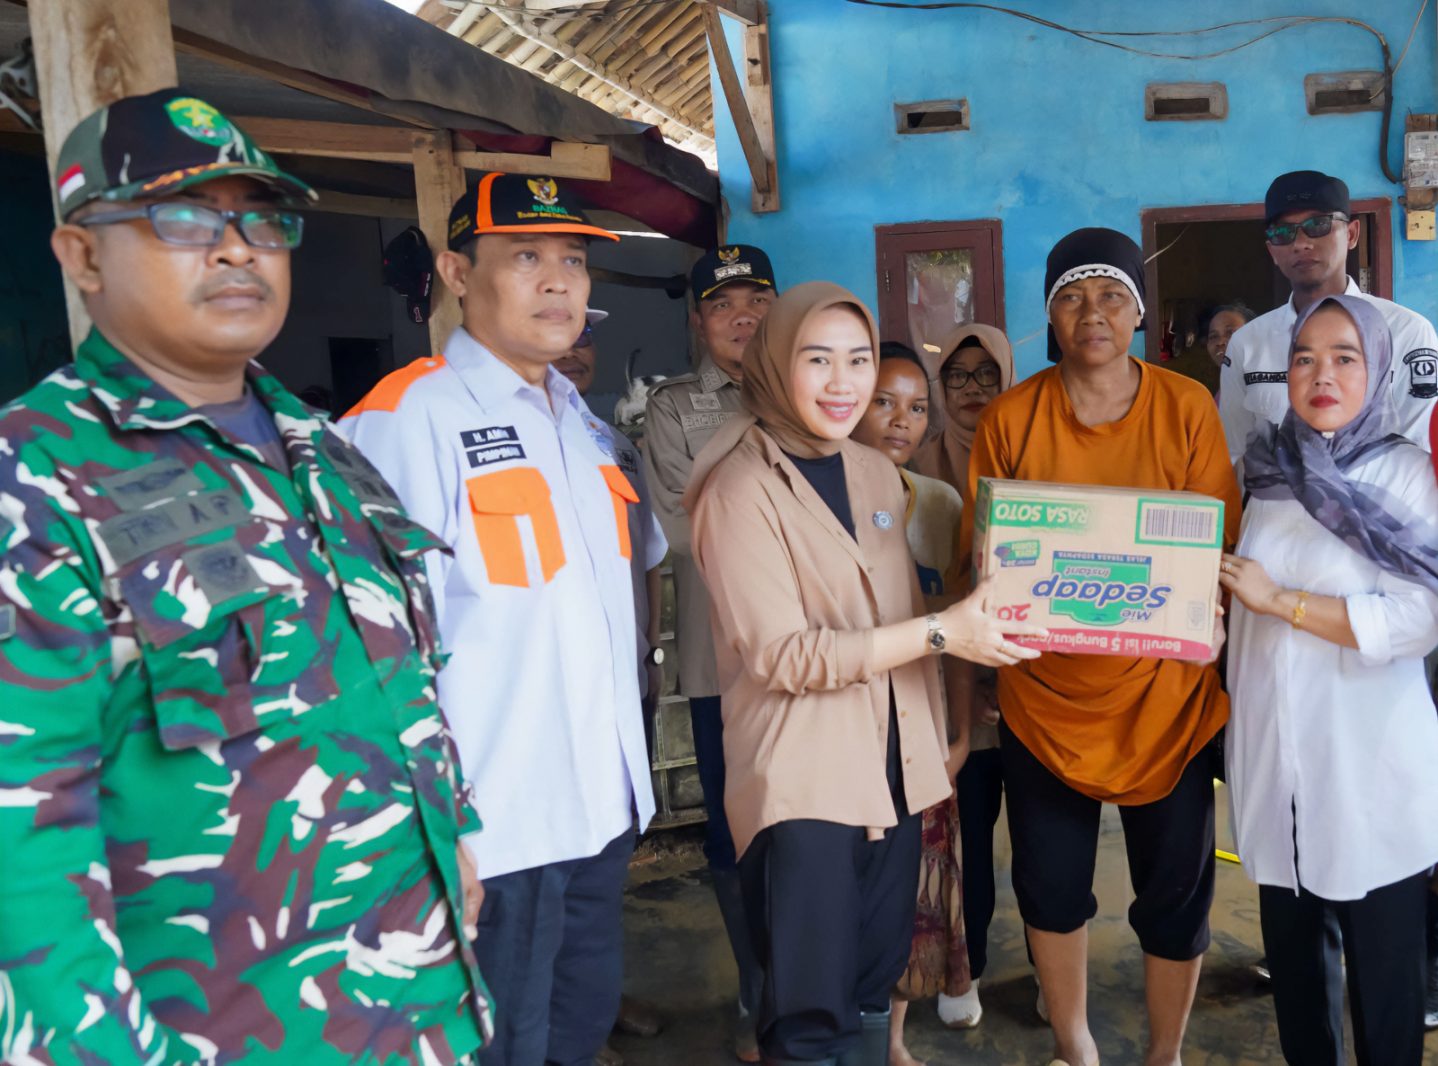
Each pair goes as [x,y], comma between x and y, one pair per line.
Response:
[347,203]
[749,12]
[761,169]
[393,144]
[759,93]
[438,182]
[89,53]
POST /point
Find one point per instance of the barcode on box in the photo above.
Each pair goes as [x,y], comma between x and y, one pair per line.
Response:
[1176,523]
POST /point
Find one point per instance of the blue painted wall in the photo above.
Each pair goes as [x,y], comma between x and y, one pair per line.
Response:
[1058,138]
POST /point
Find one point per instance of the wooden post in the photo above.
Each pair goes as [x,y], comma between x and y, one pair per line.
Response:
[89,53]
[753,114]
[438,181]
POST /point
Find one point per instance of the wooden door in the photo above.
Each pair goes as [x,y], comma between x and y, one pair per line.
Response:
[934,276]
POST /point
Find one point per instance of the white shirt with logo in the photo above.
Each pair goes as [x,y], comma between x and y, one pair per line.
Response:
[536,606]
[1253,387]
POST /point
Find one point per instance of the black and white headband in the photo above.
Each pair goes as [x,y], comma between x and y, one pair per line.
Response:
[1094,270]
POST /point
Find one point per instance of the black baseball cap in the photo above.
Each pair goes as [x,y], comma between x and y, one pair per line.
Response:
[157,144]
[1304,190]
[409,271]
[514,203]
[731,262]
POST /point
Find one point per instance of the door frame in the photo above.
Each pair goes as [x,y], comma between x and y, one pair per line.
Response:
[984,237]
[1381,235]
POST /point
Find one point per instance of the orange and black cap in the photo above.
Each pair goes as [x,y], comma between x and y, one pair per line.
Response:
[515,203]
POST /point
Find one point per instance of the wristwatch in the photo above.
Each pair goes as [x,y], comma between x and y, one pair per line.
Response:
[937,643]
[655,656]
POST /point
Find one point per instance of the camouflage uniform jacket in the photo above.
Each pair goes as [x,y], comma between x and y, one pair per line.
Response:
[229,805]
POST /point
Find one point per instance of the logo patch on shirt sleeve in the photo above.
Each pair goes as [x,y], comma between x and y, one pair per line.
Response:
[1422,364]
[495,444]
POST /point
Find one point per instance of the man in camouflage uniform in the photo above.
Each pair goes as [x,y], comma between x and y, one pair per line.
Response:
[733,288]
[230,810]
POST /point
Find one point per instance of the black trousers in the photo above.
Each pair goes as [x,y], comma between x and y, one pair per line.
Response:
[832,916]
[1383,943]
[979,791]
[1170,842]
[551,946]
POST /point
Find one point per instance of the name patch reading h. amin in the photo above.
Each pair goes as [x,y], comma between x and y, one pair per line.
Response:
[496,444]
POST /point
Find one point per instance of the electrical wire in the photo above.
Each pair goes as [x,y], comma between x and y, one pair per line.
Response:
[1283,22]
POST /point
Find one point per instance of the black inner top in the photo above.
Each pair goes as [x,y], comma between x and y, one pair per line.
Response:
[826,474]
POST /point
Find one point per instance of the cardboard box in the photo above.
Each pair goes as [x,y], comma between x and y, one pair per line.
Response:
[1107,571]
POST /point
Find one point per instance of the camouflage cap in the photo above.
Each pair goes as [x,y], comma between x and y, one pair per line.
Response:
[157,144]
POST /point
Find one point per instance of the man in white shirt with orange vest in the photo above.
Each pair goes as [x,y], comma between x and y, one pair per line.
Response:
[491,447]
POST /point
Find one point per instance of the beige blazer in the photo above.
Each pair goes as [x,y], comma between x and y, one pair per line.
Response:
[795,602]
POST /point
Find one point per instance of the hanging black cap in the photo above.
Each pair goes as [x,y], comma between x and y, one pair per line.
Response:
[409,271]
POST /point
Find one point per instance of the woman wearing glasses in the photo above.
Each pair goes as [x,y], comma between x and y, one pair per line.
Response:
[1079,731]
[976,364]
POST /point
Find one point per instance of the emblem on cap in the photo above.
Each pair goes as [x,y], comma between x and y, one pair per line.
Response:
[199,120]
[546,190]
[883,519]
[728,255]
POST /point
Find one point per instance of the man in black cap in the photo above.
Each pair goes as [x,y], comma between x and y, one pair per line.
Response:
[1310,231]
[733,288]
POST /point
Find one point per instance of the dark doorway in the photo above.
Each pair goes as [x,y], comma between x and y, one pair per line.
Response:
[356,365]
[934,276]
[1214,254]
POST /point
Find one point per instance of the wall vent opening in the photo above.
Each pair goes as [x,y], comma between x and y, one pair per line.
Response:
[932,116]
[1185,101]
[1343,92]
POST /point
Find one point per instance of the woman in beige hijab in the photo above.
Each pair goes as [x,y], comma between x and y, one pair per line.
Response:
[834,722]
[975,363]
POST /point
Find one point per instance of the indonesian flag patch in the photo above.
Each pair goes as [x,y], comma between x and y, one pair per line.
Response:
[70,181]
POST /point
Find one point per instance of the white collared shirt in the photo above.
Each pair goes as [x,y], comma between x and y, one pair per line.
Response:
[1253,381]
[1347,739]
[536,606]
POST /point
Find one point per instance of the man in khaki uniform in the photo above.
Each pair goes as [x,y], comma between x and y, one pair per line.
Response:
[733,288]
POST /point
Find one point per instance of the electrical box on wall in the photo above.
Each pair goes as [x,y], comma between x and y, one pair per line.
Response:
[1420,177]
[1420,160]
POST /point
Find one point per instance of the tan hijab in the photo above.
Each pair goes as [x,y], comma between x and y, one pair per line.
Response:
[946,457]
[768,370]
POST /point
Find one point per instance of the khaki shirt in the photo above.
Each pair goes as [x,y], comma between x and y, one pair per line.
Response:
[796,603]
[683,413]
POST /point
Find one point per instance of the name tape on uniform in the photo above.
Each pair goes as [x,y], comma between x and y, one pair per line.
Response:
[135,534]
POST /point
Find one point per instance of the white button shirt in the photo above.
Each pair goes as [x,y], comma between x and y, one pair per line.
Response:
[1253,381]
[536,607]
[1347,738]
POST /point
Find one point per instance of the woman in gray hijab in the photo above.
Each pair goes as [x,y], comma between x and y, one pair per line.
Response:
[1333,736]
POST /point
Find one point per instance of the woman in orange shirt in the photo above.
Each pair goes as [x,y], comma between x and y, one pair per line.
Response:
[1082,730]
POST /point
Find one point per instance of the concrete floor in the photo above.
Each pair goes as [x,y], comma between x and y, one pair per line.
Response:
[679,961]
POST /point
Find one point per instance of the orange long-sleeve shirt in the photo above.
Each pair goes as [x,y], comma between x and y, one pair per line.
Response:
[1116,729]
